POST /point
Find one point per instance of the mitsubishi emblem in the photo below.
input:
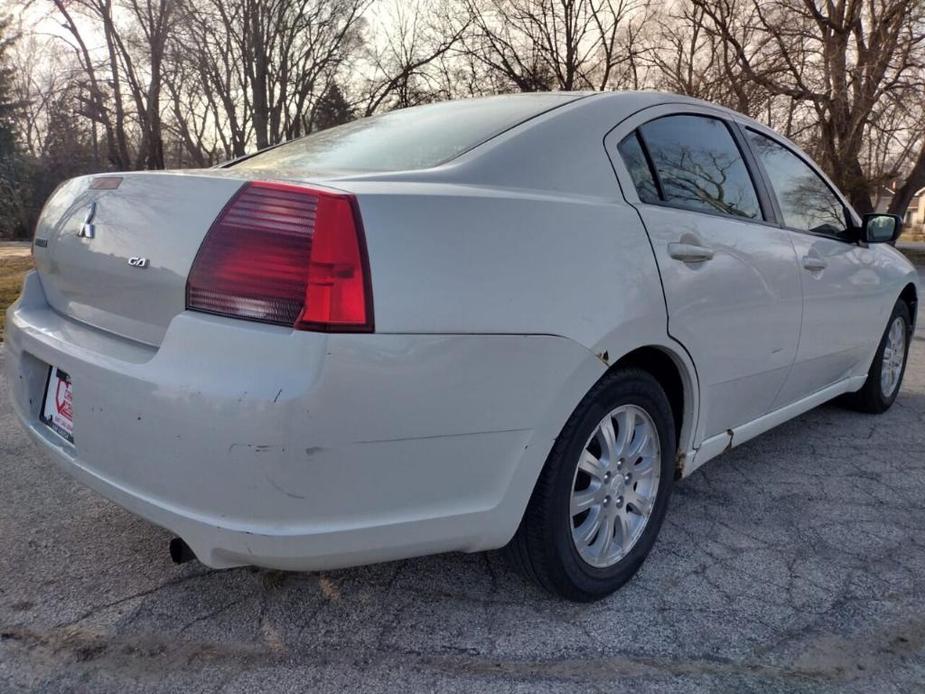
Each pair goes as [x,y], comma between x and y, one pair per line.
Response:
[87,230]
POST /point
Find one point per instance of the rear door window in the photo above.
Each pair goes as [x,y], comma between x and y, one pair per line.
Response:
[699,166]
[635,159]
[807,203]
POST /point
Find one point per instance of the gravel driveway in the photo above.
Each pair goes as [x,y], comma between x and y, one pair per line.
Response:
[794,563]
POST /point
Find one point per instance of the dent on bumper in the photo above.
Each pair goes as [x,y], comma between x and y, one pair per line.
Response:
[262,445]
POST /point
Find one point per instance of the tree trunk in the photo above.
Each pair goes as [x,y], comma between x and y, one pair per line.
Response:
[857,188]
[259,86]
[914,182]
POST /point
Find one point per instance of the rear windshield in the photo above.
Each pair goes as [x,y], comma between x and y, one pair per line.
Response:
[412,138]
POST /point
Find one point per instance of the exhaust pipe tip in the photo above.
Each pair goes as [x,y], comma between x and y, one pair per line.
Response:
[180,552]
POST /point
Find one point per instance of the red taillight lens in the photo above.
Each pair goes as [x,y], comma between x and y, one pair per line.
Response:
[285,254]
[336,292]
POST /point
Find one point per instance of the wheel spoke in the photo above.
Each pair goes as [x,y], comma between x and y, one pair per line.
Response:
[608,440]
[644,468]
[604,539]
[585,532]
[591,465]
[626,531]
[640,443]
[642,505]
[583,500]
[627,429]
[897,333]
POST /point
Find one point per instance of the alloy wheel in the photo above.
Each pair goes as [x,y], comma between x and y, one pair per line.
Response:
[615,485]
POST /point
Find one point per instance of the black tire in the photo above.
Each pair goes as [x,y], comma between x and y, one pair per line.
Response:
[871,398]
[542,549]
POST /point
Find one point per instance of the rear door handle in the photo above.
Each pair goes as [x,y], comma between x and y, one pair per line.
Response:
[814,263]
[689,252]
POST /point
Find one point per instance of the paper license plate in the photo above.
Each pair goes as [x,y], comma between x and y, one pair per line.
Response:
[58,407]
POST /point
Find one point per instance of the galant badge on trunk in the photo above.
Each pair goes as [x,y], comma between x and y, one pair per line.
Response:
[137,261]
[87,230]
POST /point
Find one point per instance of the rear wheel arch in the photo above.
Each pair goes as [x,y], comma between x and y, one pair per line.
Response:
[673,375]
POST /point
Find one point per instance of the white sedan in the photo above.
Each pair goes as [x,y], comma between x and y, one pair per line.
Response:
[514,321]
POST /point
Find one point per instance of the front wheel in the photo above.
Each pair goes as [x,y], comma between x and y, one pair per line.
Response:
[601,498]
[886,372]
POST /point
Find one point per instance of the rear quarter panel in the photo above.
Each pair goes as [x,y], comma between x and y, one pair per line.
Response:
[448,258]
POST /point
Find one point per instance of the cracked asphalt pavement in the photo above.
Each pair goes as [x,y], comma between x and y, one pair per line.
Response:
[794,563]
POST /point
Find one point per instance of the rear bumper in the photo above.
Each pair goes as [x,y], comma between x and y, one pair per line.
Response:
[296,450]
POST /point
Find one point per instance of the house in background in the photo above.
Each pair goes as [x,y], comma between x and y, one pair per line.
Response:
[913,217]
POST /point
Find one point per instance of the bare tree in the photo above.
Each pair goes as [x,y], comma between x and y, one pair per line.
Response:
[913,182]
[132,69]
[413,38]
[198,138]
[208,53]
[840,58]
[689,58]
[557,44]
[262,64]
[97,102]
[898,142]
[192,82]
[154,22]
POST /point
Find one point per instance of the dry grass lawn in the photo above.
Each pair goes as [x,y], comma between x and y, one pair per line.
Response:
[12,269]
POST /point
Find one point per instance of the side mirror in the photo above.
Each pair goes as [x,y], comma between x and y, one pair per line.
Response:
[881,228]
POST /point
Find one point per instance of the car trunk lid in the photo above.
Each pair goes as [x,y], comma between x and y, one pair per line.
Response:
[114,251]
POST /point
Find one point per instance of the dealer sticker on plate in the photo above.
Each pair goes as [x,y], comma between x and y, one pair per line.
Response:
[58,409]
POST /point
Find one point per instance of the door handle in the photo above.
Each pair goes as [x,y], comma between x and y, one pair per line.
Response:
[814,263]
[689,252]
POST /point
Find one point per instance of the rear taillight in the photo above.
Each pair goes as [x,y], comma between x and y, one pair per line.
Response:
[285,254]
